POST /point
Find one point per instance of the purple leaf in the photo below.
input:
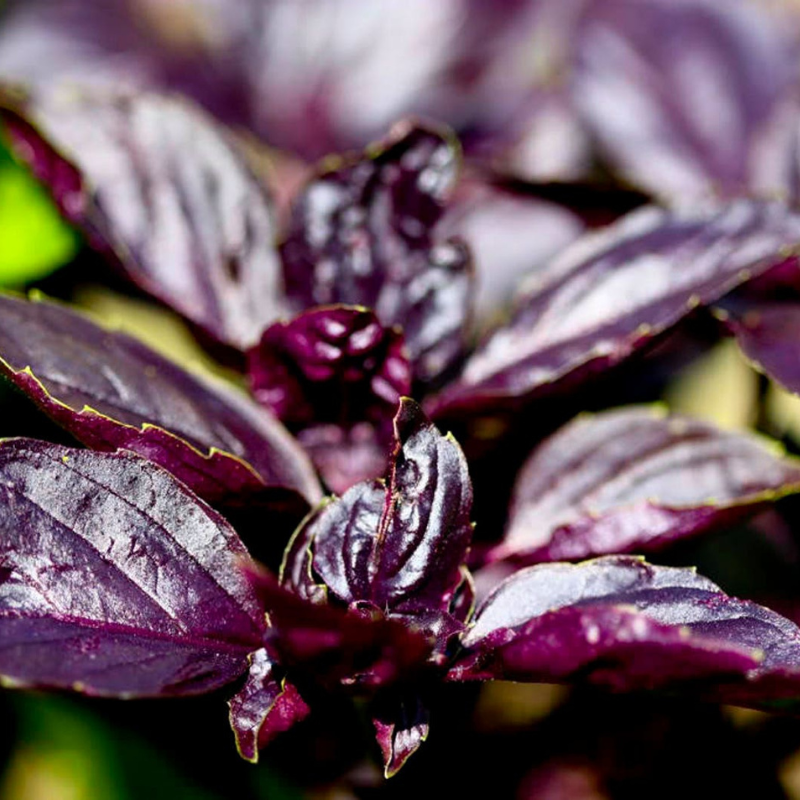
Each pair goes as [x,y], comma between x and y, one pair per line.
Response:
[334,375]
[398,547]
[362,234]
[115,579]
[636,479]
[510,235]
[769,335]
[613,292]
[626,624]
[401,545]
[163,191]
[401,726]
[111,391]
[183,47]
[357,646]
[684,97]
[264,707]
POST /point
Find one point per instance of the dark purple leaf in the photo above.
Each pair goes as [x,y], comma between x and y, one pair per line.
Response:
[356,647]
[334,375]
[401,726]
[111,391]
[769,335]
[626,624]
[614,291]
[264,707]
[362,234]
[684,97]
[162,189]
[400,546]
[634,480]
[115,579]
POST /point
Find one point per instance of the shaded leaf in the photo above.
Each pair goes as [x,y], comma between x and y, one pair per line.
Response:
[111,391]
[334,375]
[635,479]
[626,624]
[683,97]
[401,726]
[613,292]
[719,387]
[329,645]
[264,707]
[769,335]
[362,234]
[115,579]
[161,189]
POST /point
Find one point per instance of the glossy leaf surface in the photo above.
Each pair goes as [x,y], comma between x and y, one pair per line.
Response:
[334,375]
[115,579]
[362,234]
[612,292]
[626,624]
[264,707]
[398,546]
[401,725]
[110,390]
[163,190]
[634,480]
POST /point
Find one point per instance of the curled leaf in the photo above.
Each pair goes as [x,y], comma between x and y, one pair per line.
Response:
[362,233]
[636,479]
[334,376]
[401,726]
[264,707]
[401,546]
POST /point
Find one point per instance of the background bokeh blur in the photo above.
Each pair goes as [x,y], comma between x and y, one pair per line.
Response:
[655,99]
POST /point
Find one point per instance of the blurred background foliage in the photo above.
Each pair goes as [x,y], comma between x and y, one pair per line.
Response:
[35,240]
[524,741]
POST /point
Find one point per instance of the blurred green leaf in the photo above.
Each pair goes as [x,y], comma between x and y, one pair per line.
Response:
[66,751]
[34,240]
[720,387]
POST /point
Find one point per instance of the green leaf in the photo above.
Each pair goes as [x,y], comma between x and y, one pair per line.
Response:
[68,750]
[34,240]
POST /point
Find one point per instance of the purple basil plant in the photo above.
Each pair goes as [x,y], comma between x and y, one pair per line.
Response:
[119,581]
[364,285]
